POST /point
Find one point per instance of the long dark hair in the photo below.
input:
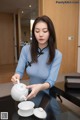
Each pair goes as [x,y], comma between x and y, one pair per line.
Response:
[51,40]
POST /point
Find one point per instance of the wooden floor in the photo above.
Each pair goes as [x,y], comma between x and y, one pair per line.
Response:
[6,72]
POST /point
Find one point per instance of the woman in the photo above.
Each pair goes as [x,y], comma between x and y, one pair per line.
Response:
[41,59]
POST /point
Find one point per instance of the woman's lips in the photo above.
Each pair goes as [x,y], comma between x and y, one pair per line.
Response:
[41,39]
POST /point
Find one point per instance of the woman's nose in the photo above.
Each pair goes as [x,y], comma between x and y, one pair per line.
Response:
[41,33]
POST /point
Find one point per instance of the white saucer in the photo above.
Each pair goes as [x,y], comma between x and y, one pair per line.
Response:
[24,114]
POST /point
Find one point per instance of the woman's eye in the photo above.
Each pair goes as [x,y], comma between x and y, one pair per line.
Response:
[37,31]
[42,31]
[45,31]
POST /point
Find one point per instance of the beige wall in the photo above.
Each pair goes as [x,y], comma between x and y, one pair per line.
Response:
[65,19]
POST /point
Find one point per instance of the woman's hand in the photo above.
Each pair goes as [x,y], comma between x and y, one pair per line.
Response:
[15,78]
[36,88]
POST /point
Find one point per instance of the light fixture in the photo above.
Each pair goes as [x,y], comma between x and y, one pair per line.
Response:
[22,12]
[31,24]
[30,6]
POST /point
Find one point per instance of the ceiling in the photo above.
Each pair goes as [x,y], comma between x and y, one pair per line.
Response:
[13,6]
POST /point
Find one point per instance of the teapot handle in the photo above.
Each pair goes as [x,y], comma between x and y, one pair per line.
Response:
[18,81]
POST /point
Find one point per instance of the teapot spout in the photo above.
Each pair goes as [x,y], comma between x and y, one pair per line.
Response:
[23,98]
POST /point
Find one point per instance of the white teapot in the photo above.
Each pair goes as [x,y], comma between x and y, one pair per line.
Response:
[19,92]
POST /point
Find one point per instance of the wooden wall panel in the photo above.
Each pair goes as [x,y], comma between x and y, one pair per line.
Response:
[6,39]
[65,19]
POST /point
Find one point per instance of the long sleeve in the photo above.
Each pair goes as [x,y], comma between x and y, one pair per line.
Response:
[54,70]
[22,61]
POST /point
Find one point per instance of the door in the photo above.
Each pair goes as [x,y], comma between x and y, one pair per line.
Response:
[78,62]
[6,39]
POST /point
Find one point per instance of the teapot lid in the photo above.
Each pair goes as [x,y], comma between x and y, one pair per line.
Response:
[40,113]
[20,86]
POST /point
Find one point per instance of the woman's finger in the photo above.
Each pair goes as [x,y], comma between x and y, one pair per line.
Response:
[29,86]
[31,95]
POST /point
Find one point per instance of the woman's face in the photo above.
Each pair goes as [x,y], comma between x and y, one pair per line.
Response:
[42,34]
